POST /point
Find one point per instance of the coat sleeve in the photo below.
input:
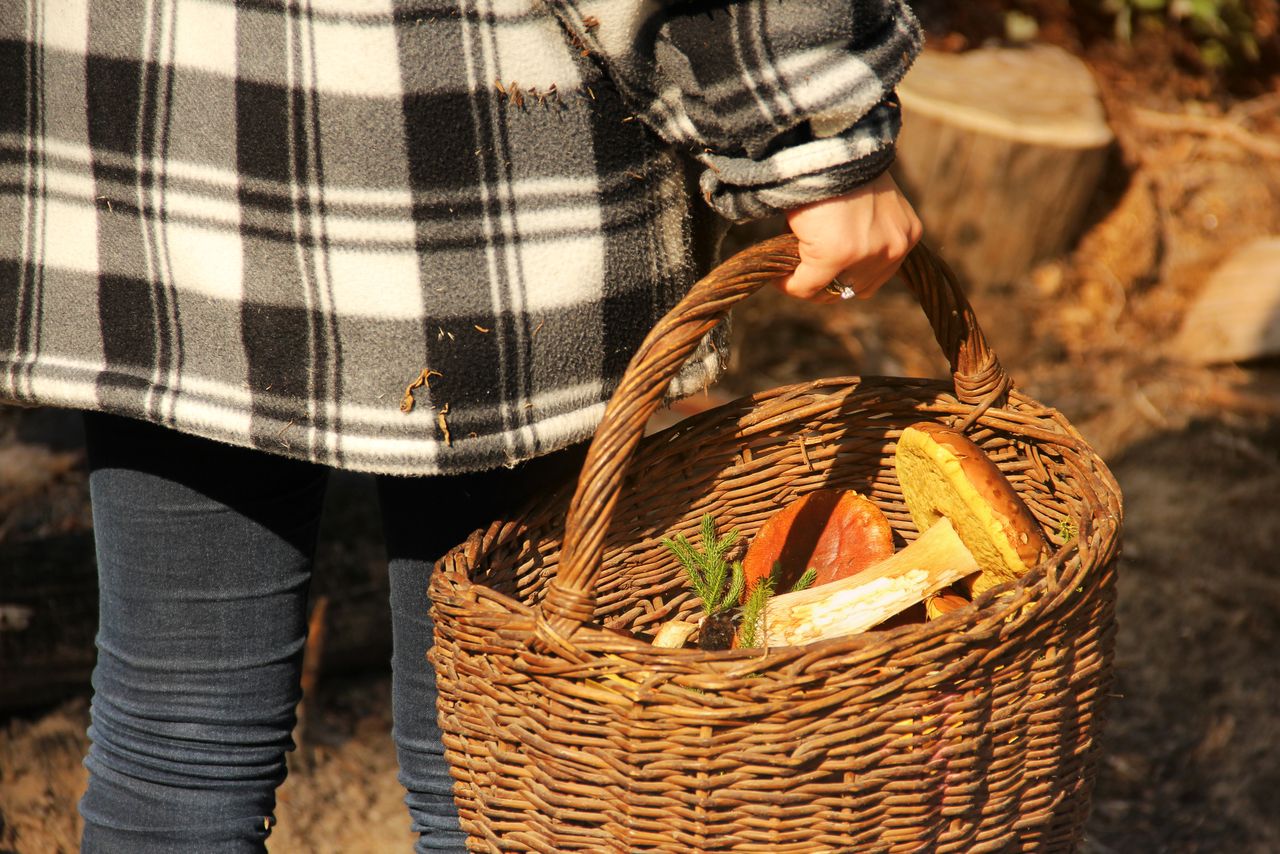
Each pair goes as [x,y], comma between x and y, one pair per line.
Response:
[784,102]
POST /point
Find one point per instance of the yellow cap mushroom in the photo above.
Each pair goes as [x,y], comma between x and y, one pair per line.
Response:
[945,475]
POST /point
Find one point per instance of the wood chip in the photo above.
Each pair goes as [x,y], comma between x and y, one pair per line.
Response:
[444,424]
[423,379]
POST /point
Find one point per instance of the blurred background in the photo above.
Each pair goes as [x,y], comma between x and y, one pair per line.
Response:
[1105,175]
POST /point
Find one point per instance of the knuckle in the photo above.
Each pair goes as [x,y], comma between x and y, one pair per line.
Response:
[914,231]
[828,255]
[897,247]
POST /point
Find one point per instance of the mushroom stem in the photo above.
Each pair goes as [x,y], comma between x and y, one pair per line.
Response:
[856,603]
[674,633]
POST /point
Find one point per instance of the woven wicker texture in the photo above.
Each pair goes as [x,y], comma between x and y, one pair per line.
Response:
[974,732]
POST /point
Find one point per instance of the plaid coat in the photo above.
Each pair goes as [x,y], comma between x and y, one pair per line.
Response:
[260,221]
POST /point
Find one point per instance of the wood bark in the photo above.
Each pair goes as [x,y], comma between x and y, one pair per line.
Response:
[1001,151]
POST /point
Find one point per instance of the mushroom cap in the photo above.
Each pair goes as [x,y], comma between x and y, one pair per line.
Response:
[943,473]
[836,532]
[943,603]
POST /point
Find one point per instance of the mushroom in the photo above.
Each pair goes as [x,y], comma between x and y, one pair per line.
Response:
[943,603]
[834,532]
[972,523]
[673,633]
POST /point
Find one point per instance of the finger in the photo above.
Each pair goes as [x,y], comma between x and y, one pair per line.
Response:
[823,296]
[873,282]
[870,279]
[867,271]
[809,280]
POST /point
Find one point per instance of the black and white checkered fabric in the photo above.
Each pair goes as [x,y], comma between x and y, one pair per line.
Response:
[260,221]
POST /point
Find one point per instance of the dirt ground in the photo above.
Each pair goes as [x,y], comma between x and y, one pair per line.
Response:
[1190,759]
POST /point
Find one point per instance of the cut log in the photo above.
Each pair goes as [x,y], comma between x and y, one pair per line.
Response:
[1001,151]
[1237,316]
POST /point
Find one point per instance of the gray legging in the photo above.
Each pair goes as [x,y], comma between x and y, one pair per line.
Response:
[204,560]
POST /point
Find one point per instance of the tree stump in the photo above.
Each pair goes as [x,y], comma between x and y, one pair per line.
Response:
[1001,151]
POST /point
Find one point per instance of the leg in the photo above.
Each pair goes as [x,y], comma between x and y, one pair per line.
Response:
[204,562]
[424,518]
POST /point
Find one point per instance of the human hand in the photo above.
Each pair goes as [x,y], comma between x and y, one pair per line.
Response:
[858,239]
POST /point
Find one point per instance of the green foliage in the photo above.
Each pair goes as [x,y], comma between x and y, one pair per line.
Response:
[717,582]
[804,582]
[753,611]
[1222,29]
[758,599]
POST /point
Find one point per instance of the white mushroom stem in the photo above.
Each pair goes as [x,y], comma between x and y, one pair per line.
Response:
[674,633]
[856,603]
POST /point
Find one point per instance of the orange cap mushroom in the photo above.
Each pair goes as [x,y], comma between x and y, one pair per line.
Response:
[835,532]
[943,603]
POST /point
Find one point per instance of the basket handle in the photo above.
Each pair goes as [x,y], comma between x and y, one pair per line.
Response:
[978,376]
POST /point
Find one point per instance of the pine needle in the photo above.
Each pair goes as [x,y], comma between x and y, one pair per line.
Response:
[753,611]
[758,600]
[804,582]
[708,569]
[720,583]
[739,582]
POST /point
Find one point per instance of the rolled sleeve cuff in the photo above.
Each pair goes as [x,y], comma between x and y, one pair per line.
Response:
[742,189]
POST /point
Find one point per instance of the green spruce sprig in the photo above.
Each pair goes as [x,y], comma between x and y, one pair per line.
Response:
[758,599]
[717,581]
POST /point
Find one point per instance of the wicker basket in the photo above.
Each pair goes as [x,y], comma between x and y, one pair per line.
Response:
[974,732]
